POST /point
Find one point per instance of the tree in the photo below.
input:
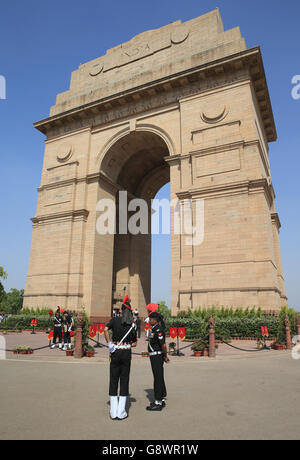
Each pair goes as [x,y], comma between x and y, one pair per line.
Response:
[3,275]
[12,301]
[2,293]
[164,309]
[281,332]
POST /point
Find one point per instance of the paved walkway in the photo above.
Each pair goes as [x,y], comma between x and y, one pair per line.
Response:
[232,397]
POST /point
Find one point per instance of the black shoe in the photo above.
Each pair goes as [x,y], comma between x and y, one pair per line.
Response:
[163,403]
[150,405]
[154,407]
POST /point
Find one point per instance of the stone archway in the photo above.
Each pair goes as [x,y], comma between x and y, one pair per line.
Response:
[136,164]
[187,103]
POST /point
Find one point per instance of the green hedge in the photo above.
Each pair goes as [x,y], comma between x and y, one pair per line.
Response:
[221,313]
[17,322]
[36,311]
[234,323]
[227,327]
[194,328]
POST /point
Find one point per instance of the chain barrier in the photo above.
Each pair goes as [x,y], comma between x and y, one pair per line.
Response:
[179,350]
[33,349]
[242,349]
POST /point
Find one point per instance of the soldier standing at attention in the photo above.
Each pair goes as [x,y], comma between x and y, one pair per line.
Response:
[123,338]
[157,349]
[57,328]
[68,324]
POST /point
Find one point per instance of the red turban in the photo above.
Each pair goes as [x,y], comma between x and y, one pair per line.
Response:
[152,307]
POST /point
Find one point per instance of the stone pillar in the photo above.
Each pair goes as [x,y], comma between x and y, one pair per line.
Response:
[78,347]
[55,273]
[98,253]
[175,186]
[276,227]
[288,334]
[212,338]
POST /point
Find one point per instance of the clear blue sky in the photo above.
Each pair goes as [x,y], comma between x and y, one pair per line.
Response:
[42,42]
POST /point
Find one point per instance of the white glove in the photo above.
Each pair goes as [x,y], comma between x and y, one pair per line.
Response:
[111,347]
[70,329]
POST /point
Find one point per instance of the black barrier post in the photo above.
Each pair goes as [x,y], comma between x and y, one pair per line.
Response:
[97,344]
[265,347]
[178,353]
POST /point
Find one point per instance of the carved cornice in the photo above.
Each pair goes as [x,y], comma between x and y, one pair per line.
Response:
[218,148]
[276,220]
[89,179]
[61,183]
[222,148]
[241,289]
[174,159]
[66,164]
[213,263]
[241,66]
[251,186]
[233,122]
[65,215]
[50,294]
[108,182]
[262,184]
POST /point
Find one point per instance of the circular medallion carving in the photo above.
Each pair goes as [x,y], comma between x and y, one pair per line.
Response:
[65,152]
[133,51]
[179,34]
[214,114]
[96,69]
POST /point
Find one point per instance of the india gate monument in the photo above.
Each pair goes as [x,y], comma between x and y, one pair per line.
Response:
[187,104]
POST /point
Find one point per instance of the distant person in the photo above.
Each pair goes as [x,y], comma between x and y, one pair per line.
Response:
[57,329]
[68,324]
[137,322]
